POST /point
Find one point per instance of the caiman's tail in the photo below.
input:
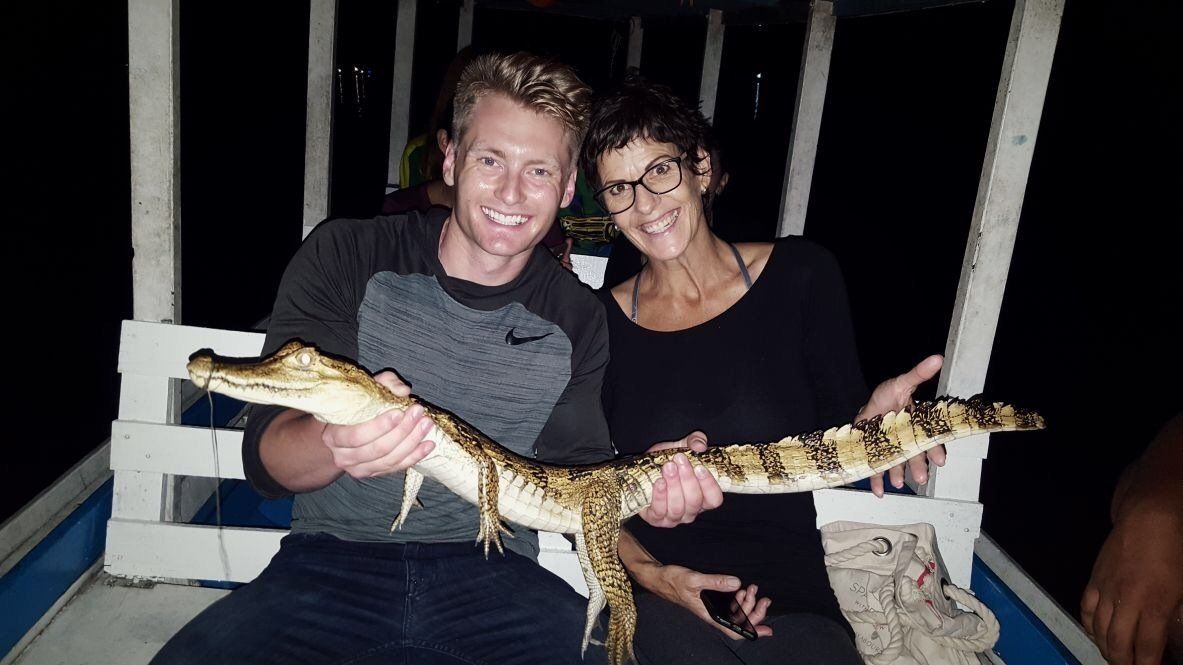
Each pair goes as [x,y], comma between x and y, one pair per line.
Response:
[839,456]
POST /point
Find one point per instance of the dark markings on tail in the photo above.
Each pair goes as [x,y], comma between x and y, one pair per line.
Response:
[821,452]
[722,461]
[1028,419]
[983,414]
[879,447]
[930,419]
[770,460]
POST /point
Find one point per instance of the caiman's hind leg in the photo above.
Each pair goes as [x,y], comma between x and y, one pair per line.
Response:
[601,532]
[595,594]
[412,481]
[491,527]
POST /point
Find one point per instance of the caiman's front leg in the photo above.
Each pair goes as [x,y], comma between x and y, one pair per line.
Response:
[601,534]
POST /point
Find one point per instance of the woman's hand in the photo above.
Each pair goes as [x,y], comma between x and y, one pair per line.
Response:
[896,395]
[682,586]
[683,491]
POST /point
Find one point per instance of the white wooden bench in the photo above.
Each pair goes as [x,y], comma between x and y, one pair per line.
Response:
[165,471]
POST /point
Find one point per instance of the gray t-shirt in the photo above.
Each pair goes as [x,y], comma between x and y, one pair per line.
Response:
[522,362]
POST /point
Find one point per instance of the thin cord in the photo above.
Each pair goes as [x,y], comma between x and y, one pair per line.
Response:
[213,432]
[213,436]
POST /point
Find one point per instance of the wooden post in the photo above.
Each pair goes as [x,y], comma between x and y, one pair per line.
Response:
[1018,106]
[711,57]
[636,37]
[154,104]
[153,52]
[464,29]
[318,124]
[807,118]
[400,98]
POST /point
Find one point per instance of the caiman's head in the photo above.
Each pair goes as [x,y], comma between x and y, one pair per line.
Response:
[299,377]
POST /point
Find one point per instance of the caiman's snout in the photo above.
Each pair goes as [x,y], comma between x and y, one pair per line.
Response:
[200,368]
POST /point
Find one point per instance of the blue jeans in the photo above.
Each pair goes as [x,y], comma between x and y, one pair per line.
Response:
[328,601]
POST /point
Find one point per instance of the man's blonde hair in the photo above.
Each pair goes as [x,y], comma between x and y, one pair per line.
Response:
[542,85]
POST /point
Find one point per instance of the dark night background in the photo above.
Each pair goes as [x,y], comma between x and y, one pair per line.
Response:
[1090,326]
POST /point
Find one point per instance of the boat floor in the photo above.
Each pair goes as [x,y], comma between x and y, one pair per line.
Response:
[112,622]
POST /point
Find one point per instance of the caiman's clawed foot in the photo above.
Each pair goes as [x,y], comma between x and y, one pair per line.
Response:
[491,527]
[595,593]
[490,532]
[412,481]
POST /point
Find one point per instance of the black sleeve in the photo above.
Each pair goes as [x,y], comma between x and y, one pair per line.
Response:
[830,348]
[577,432]
[316,303]
[258,420]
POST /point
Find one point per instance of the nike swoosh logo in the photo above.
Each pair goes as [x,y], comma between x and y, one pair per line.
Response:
[514,340]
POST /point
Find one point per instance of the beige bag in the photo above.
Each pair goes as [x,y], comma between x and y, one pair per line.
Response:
[891,586]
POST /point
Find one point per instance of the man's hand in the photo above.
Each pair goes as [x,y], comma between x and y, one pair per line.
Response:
[1136,589]
[683,491]
[386,444]
[896,395]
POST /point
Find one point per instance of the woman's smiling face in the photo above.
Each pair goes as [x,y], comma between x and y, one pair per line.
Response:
[659,225]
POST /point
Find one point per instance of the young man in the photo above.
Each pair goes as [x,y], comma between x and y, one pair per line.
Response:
[477,320]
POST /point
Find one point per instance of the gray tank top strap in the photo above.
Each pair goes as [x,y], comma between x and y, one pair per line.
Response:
[743,270]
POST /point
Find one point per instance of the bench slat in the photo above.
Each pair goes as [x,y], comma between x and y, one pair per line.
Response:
[176,449]
[162,349]
[155,549]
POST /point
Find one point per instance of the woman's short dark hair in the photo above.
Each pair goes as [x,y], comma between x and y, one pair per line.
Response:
[638,109]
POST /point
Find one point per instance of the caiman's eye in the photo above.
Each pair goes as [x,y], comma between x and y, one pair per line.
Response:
[305,358]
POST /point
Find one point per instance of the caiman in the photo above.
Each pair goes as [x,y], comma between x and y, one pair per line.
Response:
[591,501]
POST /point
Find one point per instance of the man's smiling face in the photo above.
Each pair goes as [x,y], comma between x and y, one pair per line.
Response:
[512,171]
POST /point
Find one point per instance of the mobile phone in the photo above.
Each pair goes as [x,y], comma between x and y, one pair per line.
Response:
[725,610]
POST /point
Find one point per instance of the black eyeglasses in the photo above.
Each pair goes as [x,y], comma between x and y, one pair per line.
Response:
[660,178]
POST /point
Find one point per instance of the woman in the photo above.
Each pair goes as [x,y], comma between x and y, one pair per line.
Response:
[747,342]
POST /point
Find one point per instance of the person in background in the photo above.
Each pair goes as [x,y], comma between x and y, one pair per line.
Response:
[1132,606]
[735,343]
[421,173]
